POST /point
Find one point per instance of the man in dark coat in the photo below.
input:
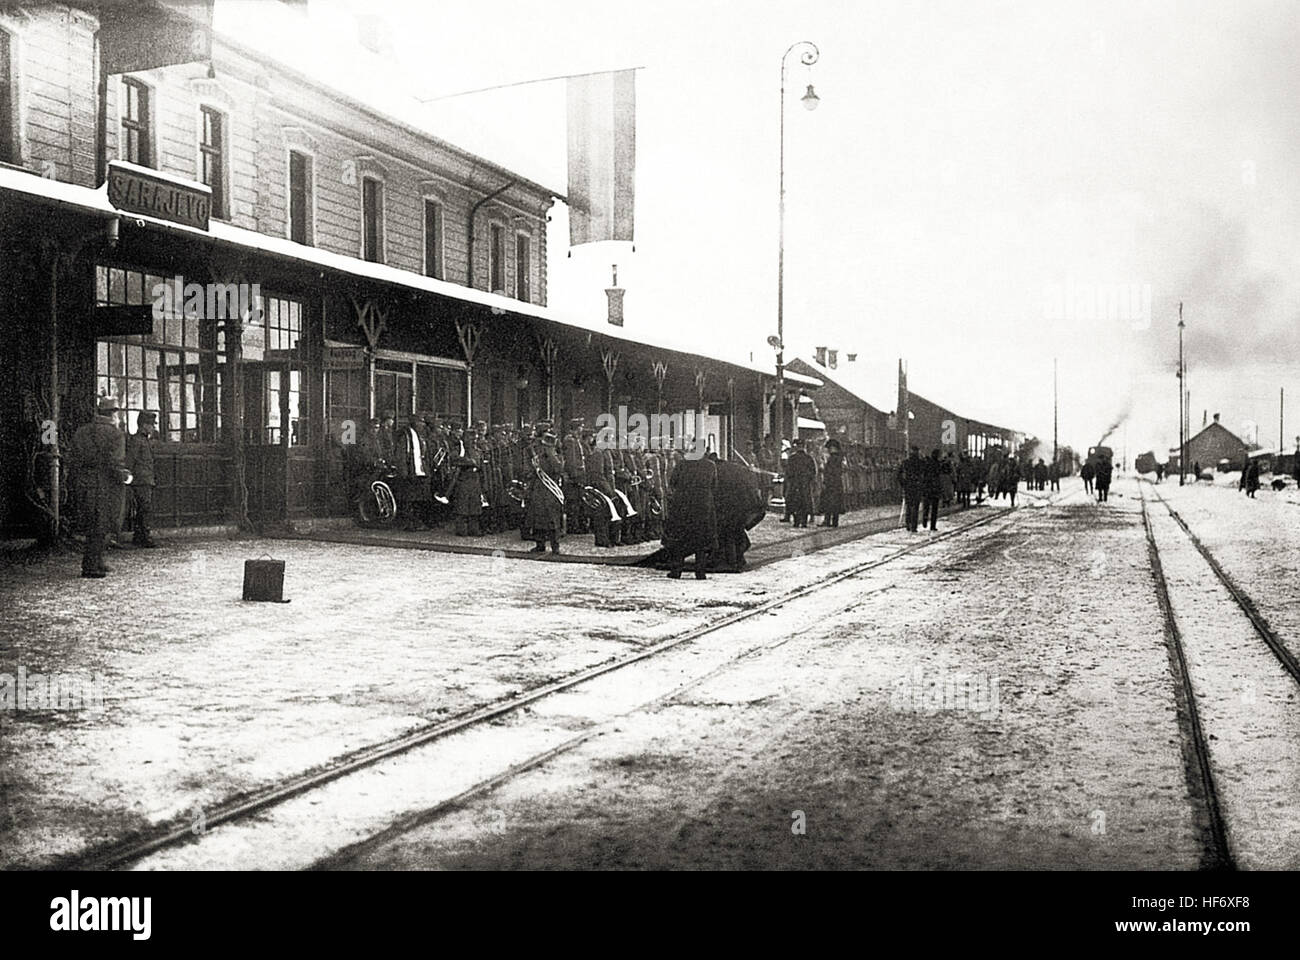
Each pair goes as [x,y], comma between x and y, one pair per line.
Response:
[1011,477]
[1103,479]
[466,494]
[544,510]
[800,473]
[690,522]
[575,478]
[931,489]
[1252,478]
[411,486]
[910,475]
[1086,473]
[99,472]
[832,498]
[605,508]
[139,462]
[738,506]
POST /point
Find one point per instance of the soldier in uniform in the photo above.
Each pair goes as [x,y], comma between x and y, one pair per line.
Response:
[607,515]
[99,472]
[655,492]
[575,478]
[139,462]
[545,506]
[387,439]
[494,480]
[411,459]
[466,493]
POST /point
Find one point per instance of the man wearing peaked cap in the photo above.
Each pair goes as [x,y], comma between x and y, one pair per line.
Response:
[575,479]
[139,461]
[99,473]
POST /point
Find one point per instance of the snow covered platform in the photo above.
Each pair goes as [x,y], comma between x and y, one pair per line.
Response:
[771,539]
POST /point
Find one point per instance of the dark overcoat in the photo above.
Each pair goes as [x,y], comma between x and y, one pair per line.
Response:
[99,467]
[691,520]
[800,472]
[833,484]
[543,512]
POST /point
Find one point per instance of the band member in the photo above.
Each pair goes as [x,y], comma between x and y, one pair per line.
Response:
[412,481]
[387,439]
[545,505]
[606,512]
[575,478]
[466,494]
[99,472]
[655,492]
[690,523]
[625,489]
[139,463]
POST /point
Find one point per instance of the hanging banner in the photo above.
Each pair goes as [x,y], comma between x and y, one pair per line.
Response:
[602,156]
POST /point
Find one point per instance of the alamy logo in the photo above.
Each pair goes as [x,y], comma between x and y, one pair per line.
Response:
[53,691]
[206,301]
[102,913]
[672,431]
[1072,300]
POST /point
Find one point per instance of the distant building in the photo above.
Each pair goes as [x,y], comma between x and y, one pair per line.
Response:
[1214,443]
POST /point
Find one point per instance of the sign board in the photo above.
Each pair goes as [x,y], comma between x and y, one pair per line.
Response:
[345,358]
[126,320]
[137,191]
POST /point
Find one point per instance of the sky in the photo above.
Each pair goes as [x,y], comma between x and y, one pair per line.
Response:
[985,187]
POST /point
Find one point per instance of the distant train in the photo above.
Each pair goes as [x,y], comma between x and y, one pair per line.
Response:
[1100,453]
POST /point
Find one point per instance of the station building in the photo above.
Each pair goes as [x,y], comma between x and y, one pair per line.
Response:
[842,404]
[361,267]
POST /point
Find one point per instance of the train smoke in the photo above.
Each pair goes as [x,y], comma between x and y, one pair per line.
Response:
[1118,422]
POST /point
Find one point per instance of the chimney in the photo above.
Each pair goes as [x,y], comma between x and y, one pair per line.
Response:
[1204,414]
[850,357]
[832,358]
[615,295]
[821,356]
[1216,418]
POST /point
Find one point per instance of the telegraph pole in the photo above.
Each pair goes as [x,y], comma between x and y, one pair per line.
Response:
[1055,454]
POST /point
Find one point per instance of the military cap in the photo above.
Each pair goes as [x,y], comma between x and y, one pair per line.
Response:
[107,405]
[147,416]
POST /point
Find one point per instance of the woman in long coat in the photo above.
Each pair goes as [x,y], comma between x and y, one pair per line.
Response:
[690,521]
[544,512]
[832,498]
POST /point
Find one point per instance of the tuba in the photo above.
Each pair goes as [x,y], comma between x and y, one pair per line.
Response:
[594,500]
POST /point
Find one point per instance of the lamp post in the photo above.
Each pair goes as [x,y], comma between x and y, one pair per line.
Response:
[808,57]
[1182,406]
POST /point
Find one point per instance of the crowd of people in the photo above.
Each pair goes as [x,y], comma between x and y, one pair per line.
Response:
[492,480]
[504,478]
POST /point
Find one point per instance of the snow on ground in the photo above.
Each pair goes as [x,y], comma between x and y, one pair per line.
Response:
[206,696]
[1008,705]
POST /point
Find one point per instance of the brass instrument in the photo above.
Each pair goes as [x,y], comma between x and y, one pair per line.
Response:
[594,500]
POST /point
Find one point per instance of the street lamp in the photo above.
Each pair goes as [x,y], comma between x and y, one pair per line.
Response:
[808,56]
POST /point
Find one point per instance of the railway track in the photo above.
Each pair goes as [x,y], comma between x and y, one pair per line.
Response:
[1219,855]
[123,852]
